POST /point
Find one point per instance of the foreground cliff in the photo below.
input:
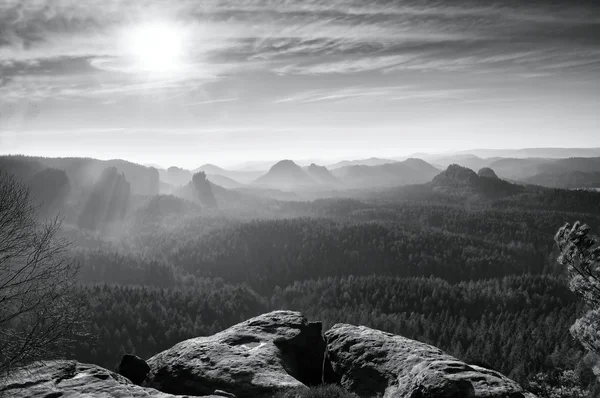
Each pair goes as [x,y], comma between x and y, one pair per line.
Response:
[276,354]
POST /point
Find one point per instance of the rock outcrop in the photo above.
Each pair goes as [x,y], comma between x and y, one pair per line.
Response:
[267,356]
[260,357]
[458,180]
[372,363]
[200,190]
[487,173]
[456,176]
[71,379]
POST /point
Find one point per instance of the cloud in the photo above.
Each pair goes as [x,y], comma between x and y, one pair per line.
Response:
[226,38]
[389,93]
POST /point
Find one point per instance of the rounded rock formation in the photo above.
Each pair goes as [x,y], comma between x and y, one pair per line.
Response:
[487,173]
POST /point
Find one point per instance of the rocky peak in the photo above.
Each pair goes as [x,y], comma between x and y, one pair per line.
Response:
[456,175]
[203,189]
[285,163]
[487,173]
[316,167]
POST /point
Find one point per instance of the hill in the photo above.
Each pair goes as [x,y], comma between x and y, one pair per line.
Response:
[566,179]
[323,176]
[286,176]
[410,171]
[223,181]
[210,169]
[458,180]
[238,176]
[518,169]
[550,153]
[83,172]
[487,172]
[561,173]
[360,162]
[586,165]
[175,176]
[466,160]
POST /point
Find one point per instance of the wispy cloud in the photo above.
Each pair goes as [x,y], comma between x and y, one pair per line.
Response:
[42,40]
[390,93]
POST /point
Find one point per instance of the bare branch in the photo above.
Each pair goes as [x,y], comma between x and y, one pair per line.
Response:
[40,309]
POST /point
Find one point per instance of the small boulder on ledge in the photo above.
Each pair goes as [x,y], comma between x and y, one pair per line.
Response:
[134,368]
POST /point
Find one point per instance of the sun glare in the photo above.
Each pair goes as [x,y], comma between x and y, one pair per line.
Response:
[156,47]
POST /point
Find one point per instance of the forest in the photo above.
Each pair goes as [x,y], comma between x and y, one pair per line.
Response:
[479,280]
[464,262]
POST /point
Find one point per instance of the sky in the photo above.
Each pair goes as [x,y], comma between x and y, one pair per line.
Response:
[187,82]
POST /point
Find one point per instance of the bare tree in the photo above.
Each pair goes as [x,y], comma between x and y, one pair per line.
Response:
[40,309]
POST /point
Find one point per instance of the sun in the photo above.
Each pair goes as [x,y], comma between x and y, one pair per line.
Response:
[156,47]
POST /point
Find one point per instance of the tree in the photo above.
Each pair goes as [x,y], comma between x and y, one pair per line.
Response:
[580,253]
[40,309]
[558,384]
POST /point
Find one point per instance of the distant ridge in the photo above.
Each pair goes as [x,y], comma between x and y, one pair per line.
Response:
[223,181]
[554,153]
[468,160]
[361,162]
[210,169]
[233,177]
[410,171]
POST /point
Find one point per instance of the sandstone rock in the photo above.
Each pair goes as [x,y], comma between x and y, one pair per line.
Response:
[487,173]
[374,363]
[224,394]
[256,358]
[71,379]
[134,368]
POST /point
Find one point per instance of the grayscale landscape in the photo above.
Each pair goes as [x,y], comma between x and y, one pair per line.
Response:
[299,199]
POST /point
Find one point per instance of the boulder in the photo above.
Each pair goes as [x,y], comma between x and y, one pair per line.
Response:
[72,379]
[372,363]
[134,368]
[260,357]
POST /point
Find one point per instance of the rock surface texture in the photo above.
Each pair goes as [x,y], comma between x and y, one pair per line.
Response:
[372,363]
[260,357]
[264,357]
[70,379]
